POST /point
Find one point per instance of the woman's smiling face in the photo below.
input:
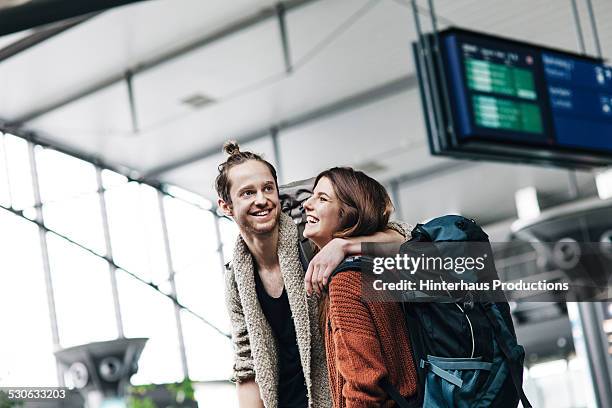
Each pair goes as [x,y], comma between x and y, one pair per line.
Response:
[323,213]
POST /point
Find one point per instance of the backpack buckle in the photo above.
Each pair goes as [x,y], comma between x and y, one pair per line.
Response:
[468,301]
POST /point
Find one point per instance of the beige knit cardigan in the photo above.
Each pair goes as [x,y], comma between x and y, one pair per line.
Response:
[256,353]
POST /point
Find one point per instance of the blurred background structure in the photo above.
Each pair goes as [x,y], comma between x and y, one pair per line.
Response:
[111,127]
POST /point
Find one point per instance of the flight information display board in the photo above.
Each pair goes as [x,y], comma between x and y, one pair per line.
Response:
[523,101]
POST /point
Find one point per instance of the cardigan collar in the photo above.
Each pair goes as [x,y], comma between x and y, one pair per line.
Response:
[260,335]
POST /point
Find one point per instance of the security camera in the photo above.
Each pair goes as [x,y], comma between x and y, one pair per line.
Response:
[110,369]
[79,374]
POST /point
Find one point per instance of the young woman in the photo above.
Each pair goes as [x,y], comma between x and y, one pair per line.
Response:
[366,342]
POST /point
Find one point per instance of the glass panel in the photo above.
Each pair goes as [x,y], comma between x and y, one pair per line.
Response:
[83,295]
[111,179]
[189,197]
[135,229]
[191,233]
[5,194]
[68,191]
[201,289]
[26,345]
[229,233]
[216,394]
[18,165]
[199,276]
[209,354]
[147,313]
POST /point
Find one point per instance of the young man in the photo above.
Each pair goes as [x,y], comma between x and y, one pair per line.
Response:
[279,351]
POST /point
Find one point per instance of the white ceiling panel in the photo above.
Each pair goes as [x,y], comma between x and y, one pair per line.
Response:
[99,125]
[107,45]
[372,133]
[372,51]
[221,70]
[231,72]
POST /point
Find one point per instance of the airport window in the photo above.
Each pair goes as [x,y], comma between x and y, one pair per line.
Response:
[195,260]
[19,175]
[70,202]
[135,229]
[80,276]
[209,354]
[5,195]
[229,232]
[147,313]
[27,345]
[83,295]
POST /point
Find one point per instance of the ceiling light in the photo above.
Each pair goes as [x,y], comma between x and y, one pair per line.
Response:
[527,206]
[604,184]
[197,100]
[371,167]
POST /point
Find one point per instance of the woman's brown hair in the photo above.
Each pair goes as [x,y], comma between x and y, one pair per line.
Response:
[365,208]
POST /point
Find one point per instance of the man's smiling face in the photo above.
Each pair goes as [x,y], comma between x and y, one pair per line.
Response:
[255,205]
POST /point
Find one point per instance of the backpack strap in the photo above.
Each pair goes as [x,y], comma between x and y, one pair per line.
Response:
[401,402]
[351,263]
[516,378]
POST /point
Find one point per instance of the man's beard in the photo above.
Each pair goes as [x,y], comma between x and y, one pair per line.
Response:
[250,225]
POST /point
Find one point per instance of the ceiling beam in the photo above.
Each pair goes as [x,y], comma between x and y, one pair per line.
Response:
[113,79]
[34,13]
[371,95]
[40,35]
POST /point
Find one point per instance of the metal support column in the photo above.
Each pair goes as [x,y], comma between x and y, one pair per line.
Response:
[594,28]
[397,202]
[277,156]
[282,25]
[574,191]
[219,243]
[434,118]
[6,169]
[132,100]
[596,342]
[177,309]
[42,235]
[578,24]
[112,270]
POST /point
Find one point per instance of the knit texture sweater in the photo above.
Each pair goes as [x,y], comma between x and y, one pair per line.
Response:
[255,348]
[365,342]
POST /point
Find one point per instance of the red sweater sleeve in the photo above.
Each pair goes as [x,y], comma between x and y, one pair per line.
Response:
[358,349]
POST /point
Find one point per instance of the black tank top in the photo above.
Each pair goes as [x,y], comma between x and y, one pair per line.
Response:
[292,391]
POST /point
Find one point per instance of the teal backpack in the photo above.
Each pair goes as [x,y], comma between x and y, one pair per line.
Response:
[466,352]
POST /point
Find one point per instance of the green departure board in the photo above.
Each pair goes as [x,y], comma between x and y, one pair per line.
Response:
[493,98]
[498,113]
[507,91]
[485,76]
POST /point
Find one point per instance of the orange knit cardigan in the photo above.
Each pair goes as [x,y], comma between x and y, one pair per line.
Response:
[365,342]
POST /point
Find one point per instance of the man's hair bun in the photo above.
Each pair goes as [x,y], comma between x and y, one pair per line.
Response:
[236,157]
[231,147]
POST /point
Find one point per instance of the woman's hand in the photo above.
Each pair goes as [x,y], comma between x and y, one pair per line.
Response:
[325,261]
